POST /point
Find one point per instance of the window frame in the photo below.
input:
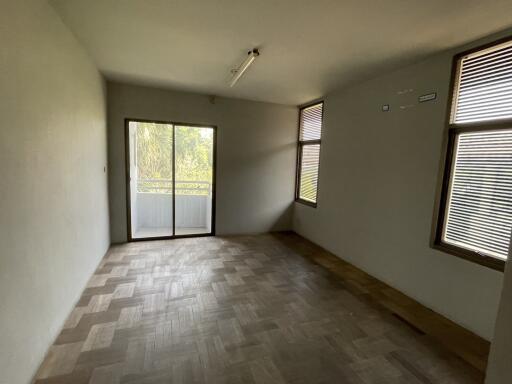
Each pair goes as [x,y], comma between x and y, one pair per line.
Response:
[452,130]
[300,148]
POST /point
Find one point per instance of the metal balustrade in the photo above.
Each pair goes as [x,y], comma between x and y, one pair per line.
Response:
[183,187]
[154,208]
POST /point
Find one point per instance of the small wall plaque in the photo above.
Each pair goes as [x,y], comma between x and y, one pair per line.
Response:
[427,97]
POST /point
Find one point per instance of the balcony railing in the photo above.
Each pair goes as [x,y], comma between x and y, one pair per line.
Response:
[183,187]
[153,203]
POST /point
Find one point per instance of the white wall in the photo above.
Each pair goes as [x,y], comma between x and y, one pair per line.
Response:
[256,147]
[378,179]
[53,190]
[499,369]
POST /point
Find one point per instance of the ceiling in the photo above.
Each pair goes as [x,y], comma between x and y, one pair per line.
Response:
[308,48]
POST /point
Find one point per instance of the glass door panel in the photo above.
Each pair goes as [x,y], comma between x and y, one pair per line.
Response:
[151,179]
[194,179]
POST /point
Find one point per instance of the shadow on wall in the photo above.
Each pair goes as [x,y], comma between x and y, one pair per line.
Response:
[274,151]
[284,220]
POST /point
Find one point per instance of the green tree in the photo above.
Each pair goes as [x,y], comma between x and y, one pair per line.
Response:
[194,158]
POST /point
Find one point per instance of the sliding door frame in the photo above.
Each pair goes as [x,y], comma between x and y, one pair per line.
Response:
[128,187]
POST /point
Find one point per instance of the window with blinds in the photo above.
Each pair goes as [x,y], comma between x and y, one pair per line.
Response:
[308,159]
[476,204]
[479,213]
[484,90]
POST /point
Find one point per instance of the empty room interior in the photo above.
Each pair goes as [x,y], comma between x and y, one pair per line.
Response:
[256,192]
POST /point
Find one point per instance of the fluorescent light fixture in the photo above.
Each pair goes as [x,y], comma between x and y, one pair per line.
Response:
[238,72]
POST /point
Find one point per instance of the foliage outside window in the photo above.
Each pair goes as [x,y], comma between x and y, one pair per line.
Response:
[194,162]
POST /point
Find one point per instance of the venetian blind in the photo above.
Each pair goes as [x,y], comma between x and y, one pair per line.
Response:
[310,132]
[311,122]
[479,215]
[484,88]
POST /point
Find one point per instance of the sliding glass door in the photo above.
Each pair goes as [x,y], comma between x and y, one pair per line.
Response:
[194,179]
[170,183]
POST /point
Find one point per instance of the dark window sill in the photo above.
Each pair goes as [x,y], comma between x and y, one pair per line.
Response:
[486,261]
[305,202]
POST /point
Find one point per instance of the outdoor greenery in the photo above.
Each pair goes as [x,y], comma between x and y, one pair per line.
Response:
[194,158]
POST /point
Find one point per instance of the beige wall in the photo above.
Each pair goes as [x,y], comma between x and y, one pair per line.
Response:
[255,154]
[378,178]
[53,190]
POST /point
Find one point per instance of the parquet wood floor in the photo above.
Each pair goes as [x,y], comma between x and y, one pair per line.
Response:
[245,309]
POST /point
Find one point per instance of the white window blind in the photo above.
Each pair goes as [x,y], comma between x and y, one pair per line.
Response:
[484,87]
[479,209]
[309,172]
[310,132]
[311,123]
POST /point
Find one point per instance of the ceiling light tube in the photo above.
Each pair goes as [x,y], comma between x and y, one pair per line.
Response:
[238,72]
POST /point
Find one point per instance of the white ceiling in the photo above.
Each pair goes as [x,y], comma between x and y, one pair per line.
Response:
[308,48]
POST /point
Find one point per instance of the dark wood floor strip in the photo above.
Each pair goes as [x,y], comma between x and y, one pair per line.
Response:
[465,344]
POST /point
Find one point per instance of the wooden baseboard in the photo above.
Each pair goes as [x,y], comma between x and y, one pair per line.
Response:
[465,344]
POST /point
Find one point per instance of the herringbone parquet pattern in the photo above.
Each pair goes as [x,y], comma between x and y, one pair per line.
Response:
[248,309]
